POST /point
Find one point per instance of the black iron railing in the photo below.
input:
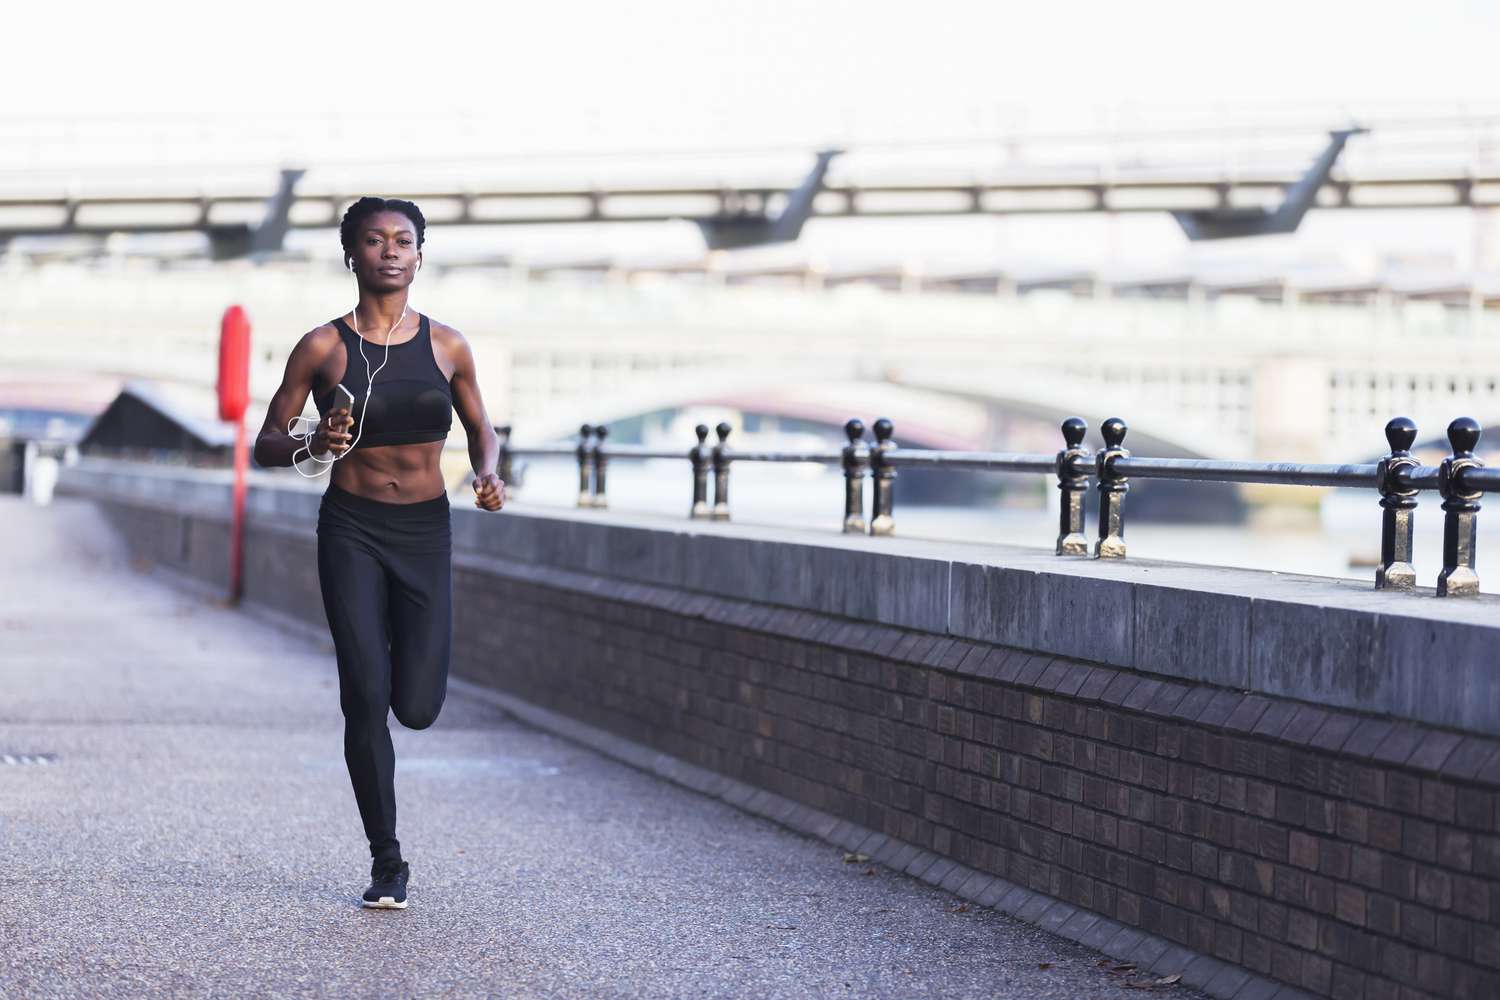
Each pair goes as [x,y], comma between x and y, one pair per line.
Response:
[1399,478]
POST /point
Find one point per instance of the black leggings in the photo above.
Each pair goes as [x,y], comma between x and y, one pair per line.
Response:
[386,574]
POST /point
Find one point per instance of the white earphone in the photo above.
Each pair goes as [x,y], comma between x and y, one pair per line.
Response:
[309,426]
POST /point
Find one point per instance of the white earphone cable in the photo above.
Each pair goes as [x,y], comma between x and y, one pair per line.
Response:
[309,426]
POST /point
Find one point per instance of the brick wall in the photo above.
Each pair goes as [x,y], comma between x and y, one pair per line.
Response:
[1348,855]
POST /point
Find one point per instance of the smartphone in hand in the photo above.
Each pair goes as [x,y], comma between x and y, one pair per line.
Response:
[344,398]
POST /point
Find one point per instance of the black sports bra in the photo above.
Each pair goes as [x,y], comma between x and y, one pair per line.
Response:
[412,402]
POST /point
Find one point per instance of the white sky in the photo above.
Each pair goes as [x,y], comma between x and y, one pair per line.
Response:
[95,86]
[682,71]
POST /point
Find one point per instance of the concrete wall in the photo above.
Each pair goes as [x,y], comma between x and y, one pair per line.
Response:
[1149,750]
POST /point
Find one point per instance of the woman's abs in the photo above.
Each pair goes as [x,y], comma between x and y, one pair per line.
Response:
[398,473]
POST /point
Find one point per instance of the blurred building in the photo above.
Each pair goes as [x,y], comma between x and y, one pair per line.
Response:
[144,424]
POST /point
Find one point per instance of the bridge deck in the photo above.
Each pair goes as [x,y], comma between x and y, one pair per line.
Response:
[195,834]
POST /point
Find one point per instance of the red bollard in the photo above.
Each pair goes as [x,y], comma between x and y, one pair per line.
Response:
[234,397]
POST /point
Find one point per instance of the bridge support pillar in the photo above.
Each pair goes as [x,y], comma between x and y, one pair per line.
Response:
[1289,401]
[1289,409]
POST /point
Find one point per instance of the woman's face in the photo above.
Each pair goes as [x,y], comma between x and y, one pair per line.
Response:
[385,252]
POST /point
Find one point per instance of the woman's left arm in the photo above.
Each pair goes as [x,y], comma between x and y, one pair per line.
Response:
[484,445]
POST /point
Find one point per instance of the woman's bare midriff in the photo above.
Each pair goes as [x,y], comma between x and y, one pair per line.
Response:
[396,473]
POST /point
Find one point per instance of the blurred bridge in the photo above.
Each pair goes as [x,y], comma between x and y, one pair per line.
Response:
[1065,191]
[1264,187]
[1228,377]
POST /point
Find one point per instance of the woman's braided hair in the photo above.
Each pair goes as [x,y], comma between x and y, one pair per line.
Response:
[361,210]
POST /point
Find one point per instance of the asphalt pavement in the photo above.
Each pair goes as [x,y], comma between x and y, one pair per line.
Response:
[176,820]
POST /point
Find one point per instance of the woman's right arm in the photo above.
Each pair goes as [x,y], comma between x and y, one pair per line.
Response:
[274,446]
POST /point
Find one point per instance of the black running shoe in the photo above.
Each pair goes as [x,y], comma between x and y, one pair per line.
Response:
[388,886]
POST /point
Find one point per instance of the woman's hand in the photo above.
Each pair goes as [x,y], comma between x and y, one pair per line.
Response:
[489,492]
[333,433]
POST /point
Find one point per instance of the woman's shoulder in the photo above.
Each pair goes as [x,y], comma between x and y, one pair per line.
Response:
[316,344]
[447,337]
[318,341]
[441,330]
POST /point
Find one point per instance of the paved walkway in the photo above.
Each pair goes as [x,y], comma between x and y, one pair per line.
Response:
[196,835]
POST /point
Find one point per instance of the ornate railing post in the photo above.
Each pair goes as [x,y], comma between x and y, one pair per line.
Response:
[601,460]
[1397,509]
[721,460]
[1073,468]
[585,497]
[503,467]
[883,499]
[1460,511]
[1112,490]
[855,462]
[701,458]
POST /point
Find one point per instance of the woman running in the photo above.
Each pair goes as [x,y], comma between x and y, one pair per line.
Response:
[384,548]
